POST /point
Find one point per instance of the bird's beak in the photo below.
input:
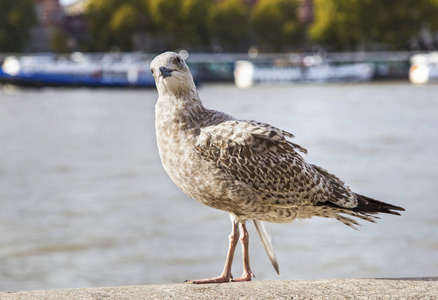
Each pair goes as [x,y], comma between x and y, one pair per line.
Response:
[165,72]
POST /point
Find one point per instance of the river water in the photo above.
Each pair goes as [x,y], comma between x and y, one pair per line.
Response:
[84,200]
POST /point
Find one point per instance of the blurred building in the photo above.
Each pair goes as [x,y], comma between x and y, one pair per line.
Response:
[76,25]
[49,19]
[305,12]
[52,18]
[76,8]
[49,13]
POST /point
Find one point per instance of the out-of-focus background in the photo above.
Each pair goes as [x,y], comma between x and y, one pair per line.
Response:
[84,200]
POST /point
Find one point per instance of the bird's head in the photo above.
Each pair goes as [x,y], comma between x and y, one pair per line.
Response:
[172,75]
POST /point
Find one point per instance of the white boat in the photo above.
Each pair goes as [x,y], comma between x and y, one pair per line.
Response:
[311,69]
[424,68]
[109,70]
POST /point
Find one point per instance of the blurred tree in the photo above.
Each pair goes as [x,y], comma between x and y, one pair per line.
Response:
[275,23]
[229,23]
[349,24]
[58,42]
[181,23]
[430,9]
[394,23]
[123,25]
[337,23]
[195,13]
[192,24]
[113,23]
[167,19]
[16,20]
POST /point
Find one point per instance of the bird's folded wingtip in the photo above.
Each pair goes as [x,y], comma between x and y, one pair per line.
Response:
[267,244]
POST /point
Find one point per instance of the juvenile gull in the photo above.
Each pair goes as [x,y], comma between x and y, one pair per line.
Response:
[247,168]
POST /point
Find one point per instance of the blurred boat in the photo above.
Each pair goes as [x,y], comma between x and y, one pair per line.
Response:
[212,67]
[424,68]
[309,69]
[132,69]
[108,70]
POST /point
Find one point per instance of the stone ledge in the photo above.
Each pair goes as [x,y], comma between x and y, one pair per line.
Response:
[402,288]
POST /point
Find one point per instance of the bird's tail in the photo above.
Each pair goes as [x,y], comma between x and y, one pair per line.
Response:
[368,205]
[267,244]
[366,209]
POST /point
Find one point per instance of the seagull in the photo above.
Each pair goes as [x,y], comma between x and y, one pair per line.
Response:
[247,168]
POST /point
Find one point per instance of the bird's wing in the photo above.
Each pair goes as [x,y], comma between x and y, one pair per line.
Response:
[236,136]
[260,155]
[267,244]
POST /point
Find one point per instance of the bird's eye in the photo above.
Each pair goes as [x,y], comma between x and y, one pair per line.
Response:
[152,71]
[178,60]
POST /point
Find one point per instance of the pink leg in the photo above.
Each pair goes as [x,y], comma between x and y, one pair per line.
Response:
[226,273]
[244,239]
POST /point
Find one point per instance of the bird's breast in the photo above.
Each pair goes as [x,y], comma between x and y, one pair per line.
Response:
[199,178]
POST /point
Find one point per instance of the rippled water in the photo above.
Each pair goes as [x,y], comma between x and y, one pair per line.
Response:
[85,202]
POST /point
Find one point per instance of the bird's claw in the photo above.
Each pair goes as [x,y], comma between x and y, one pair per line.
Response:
[244,277]
[219,279]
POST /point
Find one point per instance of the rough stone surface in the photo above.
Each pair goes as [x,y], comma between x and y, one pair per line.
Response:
[404,288]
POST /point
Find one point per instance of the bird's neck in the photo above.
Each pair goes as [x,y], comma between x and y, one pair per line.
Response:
[184,110]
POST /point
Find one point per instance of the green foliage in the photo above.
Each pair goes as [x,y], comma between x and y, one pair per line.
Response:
[195,13]
[194,24]
[178,23]
[229,23]
[394,22]
[16,19]
[275,23]
[58,42]
[336,23]
[123,24]
[349,24]
[113,23]
[430,9]
[181,23]
[166,17]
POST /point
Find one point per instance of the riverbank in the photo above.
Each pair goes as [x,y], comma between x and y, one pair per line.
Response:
[403,288]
